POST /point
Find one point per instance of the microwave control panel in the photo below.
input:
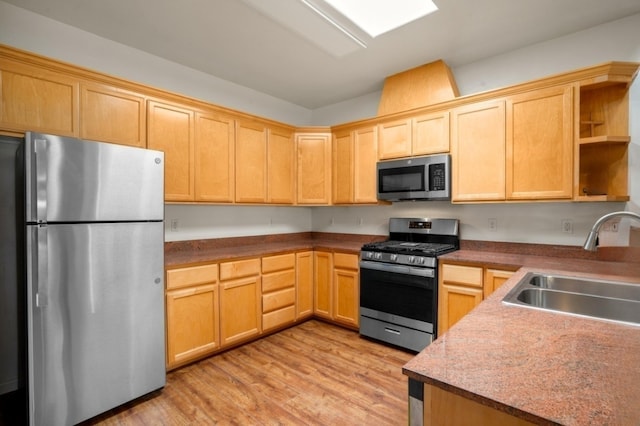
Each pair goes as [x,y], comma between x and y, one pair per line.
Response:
[437,177]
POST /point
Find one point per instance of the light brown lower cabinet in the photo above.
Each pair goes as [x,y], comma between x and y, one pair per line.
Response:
[337,287]
[240,306]
[192,314]
[346,289]
[462,287]
[215,306]
[446,408]
[278,291]
[304,285]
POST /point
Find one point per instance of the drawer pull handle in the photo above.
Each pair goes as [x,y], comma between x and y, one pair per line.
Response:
[392,331]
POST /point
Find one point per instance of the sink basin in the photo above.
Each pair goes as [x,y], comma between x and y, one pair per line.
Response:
[607,300]
[613,289]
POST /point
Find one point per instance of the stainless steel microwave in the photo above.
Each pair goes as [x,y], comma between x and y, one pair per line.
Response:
[416,178]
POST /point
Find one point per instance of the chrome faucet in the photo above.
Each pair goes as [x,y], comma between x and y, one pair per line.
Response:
[592,239]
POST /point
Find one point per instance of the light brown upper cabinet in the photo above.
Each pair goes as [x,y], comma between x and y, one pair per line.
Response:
[313,152]
[355,153]
[171,129]
[37,99]
[478,152]
[214,157]
[264,163]
[111,114]
[422,134]
[251,162]
[539,145]
[601,154]
[280,166]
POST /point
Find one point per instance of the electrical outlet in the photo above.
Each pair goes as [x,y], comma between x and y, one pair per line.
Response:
[493,225]
[174,225]
[567,226]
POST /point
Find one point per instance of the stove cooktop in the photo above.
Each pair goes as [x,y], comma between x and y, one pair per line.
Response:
[407,247]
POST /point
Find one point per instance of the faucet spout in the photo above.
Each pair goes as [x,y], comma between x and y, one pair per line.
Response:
[591,243]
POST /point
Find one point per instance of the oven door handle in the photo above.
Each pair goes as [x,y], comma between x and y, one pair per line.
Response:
[398,269]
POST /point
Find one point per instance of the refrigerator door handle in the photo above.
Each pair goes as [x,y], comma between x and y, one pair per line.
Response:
[42,261]
[42,160]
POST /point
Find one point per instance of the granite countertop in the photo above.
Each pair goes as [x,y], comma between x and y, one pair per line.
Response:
[543,367]
[194,252]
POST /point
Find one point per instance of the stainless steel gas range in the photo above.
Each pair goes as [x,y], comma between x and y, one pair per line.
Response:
[399,281]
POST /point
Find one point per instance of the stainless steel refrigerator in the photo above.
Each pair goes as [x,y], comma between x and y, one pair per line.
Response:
[94,261]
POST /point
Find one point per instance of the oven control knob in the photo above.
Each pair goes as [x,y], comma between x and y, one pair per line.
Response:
[378,256]
[421,260]
[394,257]
[412,259]
[369,254]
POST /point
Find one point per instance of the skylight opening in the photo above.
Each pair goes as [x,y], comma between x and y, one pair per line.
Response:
[376,17]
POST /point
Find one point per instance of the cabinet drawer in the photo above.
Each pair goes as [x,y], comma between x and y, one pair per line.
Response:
[278,263]
[278,318]
[345,261]
[469,275]
[278,280]
[239,268]
[278,299]
[177,278]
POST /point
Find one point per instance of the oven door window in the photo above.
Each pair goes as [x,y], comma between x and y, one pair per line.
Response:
[405,295]
[401,179]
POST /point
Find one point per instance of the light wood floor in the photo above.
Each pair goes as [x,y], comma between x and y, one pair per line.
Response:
[311,374]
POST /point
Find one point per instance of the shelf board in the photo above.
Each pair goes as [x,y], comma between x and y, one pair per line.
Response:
[592,198]
[604,139]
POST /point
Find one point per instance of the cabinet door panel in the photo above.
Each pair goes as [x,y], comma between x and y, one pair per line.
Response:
[342,168]
[251,162]
[34,99]
[493,279]
[346,297]
[112,115]
[365,153]
[171,131]
[192,323]
[395,139]
[304,284]
[323,284]
[430,133]
[214,158]
[280,167]
[539,148]
[278,299]
[456,302]
[278,318]
[278,280]
[314,168]
[279,262]
[478,152]
[240,310]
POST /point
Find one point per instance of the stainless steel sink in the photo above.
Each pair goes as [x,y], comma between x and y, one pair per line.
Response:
[608,300]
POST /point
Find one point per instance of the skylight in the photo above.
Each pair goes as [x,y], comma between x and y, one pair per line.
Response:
[377,17]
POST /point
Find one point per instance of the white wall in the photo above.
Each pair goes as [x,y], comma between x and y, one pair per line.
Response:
[538,222]
[201,222]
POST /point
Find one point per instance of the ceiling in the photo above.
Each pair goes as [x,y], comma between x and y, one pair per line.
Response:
[235,41]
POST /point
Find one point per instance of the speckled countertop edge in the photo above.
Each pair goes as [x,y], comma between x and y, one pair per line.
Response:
[194,252]
[542,367]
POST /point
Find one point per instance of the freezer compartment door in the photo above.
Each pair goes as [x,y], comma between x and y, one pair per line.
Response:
[95,316]
[70,180]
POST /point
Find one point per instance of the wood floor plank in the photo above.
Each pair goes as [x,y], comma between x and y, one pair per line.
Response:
[311,374]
